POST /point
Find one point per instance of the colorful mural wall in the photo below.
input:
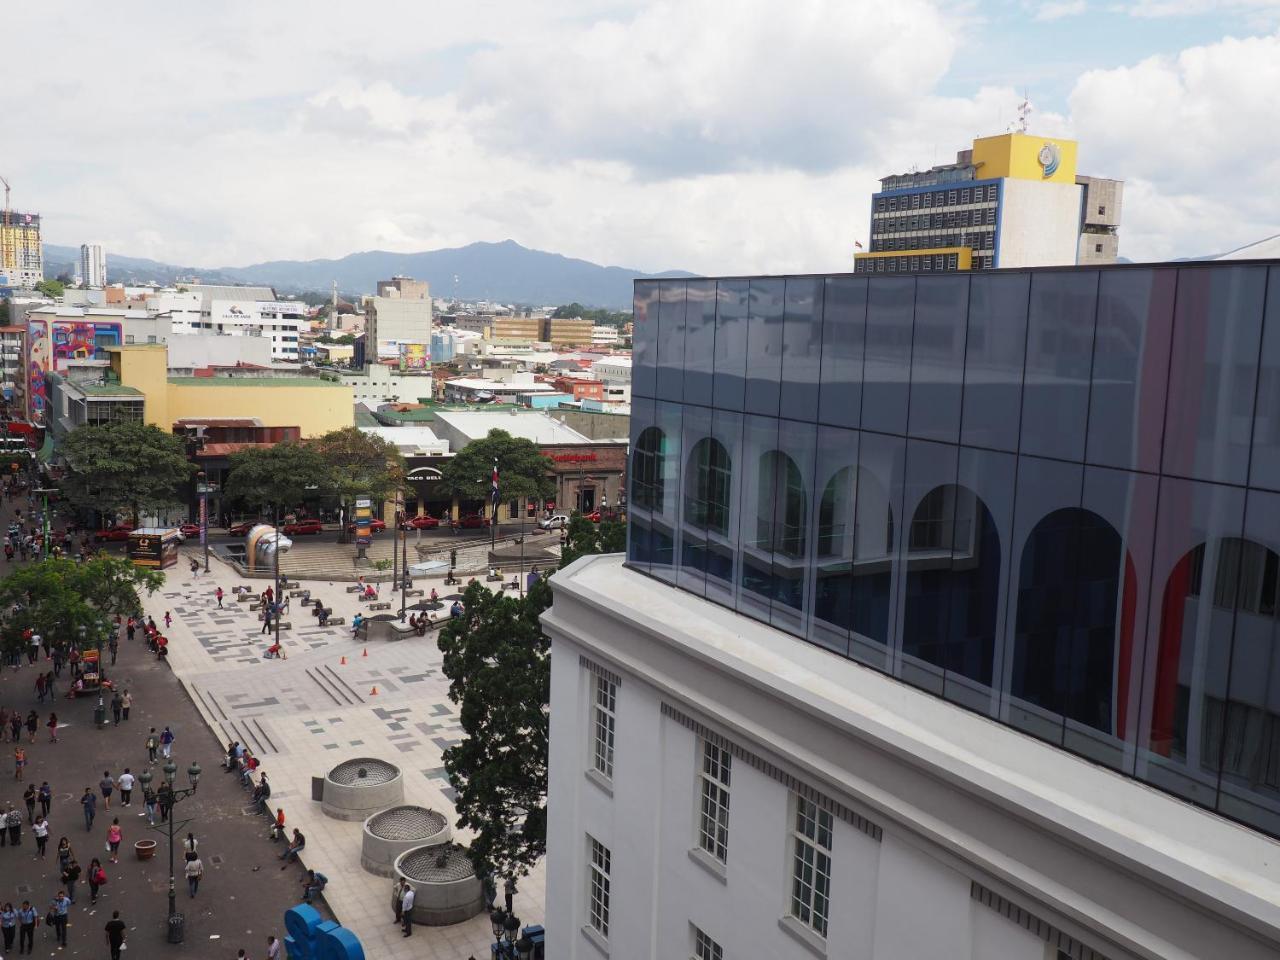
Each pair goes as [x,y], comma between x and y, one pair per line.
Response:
[53,343]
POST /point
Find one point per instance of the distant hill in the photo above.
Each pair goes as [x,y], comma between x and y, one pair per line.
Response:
[503,272]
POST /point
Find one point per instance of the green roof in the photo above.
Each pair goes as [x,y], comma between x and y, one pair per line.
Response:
[254,382]
[107,390]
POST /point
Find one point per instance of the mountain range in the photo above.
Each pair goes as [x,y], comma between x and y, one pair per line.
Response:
[502,272]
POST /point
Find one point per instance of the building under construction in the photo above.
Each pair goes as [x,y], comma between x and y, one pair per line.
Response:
[21,255]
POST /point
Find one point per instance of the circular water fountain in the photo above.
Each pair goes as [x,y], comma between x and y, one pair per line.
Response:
[356,789]
[446,888]
[389,833]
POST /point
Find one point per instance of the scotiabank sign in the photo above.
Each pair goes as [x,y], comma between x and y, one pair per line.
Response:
[588,457]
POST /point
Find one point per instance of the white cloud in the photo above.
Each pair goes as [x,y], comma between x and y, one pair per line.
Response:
[1058,9]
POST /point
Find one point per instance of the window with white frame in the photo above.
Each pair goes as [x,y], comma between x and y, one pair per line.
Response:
[598,888]
[605,718]
[713,818]
[704,948]
[811,865]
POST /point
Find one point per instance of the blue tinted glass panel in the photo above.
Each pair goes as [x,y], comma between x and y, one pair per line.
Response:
[792,509]
[639,525]
[886,368]
[834,525]
[1130,368]
[644,338]
[663,444]
[670,380]
[1213,371]
[731,344]
[802,349]
[764,347]
[1264,470]
[703,484]
[844,327]
[937,357]
[699,341]
[994,350]
[1055,395]
[877,532]
[722,547]
[767,473]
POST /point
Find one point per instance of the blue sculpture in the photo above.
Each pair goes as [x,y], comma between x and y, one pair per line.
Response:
[311,937]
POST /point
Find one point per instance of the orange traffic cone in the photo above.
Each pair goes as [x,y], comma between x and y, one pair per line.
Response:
[373,692]
[365,653]
[343,662]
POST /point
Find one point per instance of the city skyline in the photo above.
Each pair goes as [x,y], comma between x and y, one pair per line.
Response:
[616,131]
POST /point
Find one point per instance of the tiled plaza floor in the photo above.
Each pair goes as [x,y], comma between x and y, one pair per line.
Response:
[305,714]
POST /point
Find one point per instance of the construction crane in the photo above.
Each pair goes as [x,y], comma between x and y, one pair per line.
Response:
[6,200]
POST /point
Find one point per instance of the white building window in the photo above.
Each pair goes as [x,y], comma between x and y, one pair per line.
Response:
[811,865]
[598,890]
[704,948]
[606,702]
[713,820]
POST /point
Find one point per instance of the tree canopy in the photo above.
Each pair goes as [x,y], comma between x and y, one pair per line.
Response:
[584,537]
[523,472]
[57,597]
[359,465]
[498,663]
[124,466]
[285,475]
[51,288]
[612,318]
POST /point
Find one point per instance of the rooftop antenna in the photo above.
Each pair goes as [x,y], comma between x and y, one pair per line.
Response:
[1024,113]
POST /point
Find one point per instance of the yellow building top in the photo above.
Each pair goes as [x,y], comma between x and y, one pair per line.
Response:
[1026,157]
[964,255]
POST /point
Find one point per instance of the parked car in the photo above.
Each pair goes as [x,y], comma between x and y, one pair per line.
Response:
[242,528]
[118,532]
[374,526]
[472,521]
[299,527]
[189,530]
[423,522]
[556,521]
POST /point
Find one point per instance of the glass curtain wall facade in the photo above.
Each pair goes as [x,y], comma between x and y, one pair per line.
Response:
[1049,496]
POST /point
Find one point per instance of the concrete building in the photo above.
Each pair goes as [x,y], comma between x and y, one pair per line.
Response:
[1013,200]
[280,321]
[603,335]
[516,329]
[398,323]
[492,390]
[568,332]
[380,383]
[951,643]
[13,380]
[21,252]
[93,265]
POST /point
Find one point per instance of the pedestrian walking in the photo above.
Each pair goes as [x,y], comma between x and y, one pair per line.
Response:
[19,762]
[168,620]
[33,724]
[8,924]
[130,629]
[48,684]
[166,742]
[117,707]
[90,804]
[40,687]
[13,821]
[149,804]
[64,853]
[218,593]
[164,800]
[115,929]
[45,796]
[29,798]
[70,877]
[113,645]
[126,702]
[15,724]
[52,724]
[27,920]
[126,787]
[107,784]
[194,871]
[114,836]
[273,948]
[190,846]
[153,744]
[406,911]
[59,908]
[40,830]
[97,879]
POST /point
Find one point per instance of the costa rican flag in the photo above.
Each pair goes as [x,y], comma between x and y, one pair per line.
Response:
[494,493]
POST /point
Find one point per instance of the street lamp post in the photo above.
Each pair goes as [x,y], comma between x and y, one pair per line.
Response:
[202,487]
[508,942]
[44,521]
[175,919]
[278,602]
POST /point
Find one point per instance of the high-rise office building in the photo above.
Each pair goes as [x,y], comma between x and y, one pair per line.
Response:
[946,628]
[93,265]
[21,253]
[1009,201]
[398,322]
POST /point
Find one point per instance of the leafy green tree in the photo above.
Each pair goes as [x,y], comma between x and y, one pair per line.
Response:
[57,597]
[523,472]
[360,465]
[124,466]
[285,475]
[51,288]
[584,537]
[4,313]
[498,662]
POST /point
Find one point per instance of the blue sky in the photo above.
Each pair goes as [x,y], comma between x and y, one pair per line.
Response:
[721,136]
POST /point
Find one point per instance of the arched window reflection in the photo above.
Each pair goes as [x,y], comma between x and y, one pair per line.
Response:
[781,506]
[707,482]
[648,486]
[953,583]
[854,543]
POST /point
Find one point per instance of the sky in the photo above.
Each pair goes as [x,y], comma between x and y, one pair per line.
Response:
[717,136]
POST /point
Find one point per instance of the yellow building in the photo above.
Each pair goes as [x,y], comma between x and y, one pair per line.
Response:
[1014,200]
[21,255]
[312,404]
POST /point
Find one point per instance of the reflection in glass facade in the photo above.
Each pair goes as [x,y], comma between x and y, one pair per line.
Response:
[1050,496]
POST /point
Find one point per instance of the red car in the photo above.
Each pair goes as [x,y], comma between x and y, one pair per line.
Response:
[190,529]
[374,526]
[423,522]
[472,521]
[594,517]
[242,528]
[119,532]
[299,527]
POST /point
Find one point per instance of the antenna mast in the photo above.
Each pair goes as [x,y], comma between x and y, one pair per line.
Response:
[1024,113]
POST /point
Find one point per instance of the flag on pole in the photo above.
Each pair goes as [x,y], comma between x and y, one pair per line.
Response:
[495,494]
[857,244]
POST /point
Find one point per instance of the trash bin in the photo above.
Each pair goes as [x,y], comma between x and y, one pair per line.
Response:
[317,789]
[177,923]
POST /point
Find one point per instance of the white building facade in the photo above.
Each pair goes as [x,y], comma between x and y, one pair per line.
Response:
[280,321]
[93,265]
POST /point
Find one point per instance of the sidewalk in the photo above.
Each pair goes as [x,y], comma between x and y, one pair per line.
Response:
[304,715]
